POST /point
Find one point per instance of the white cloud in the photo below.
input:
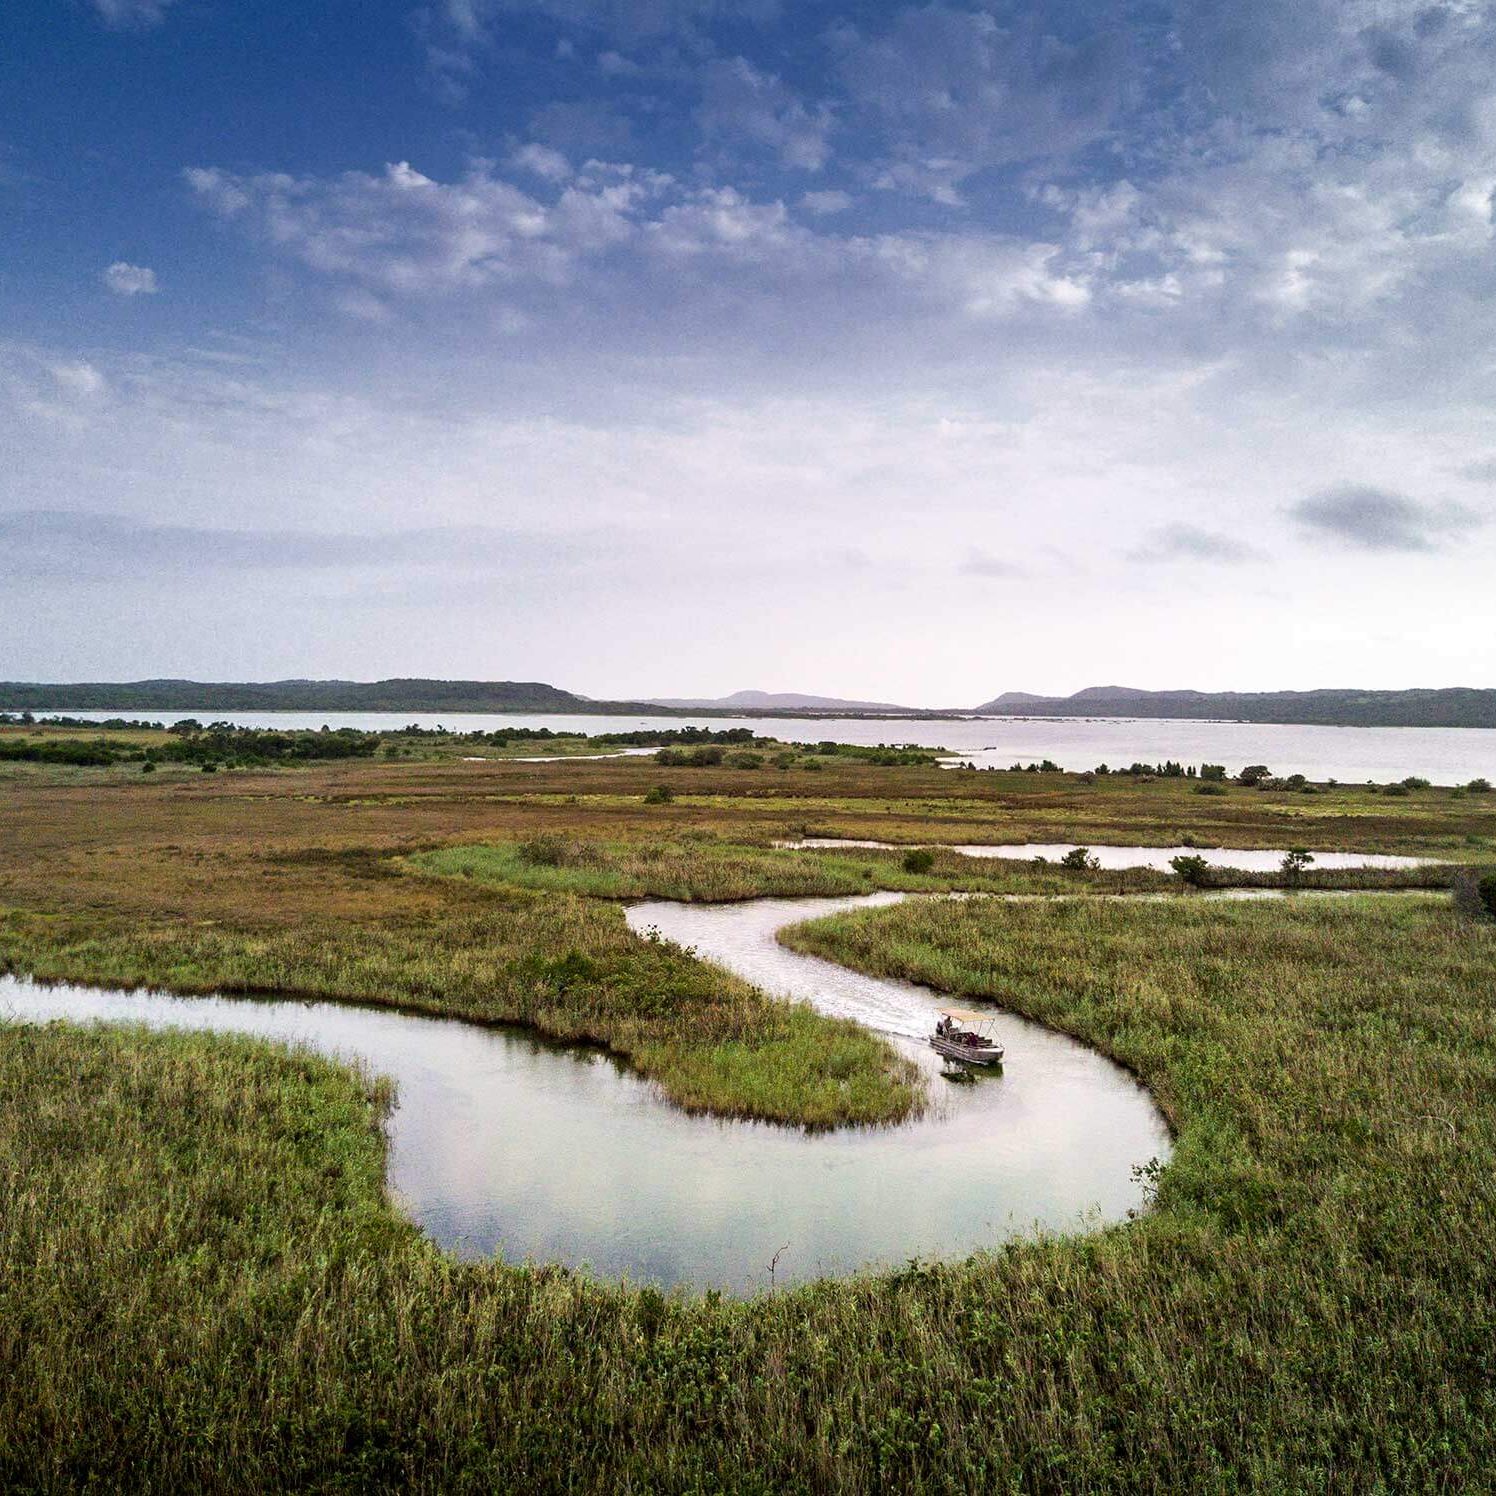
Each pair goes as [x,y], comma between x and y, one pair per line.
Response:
[742,104]
[125,279]
[953,90]
[544,162]
[124,15]
[406,233]
[825,204]
[78,377]
[401,233]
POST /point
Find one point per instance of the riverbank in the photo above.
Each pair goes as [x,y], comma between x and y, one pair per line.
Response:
[199,1272]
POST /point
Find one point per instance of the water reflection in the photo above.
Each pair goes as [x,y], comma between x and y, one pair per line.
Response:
[502,1143]
[1243,859]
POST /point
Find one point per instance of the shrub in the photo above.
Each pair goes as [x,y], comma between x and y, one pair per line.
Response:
[921,860]
[1397,789]
[1475,892]
[1253,774]
[1413,782]
[1479,786]
[1191,869]
[1208,788]
[661,794]
[785,760]
[690,758]
[148,767]
[745,760]
[1080,858]
[1294,862]
[545,850]
[1212,771]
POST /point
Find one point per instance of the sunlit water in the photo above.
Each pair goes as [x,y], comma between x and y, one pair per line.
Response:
[500,1142]
[1246,860]
[1446,755]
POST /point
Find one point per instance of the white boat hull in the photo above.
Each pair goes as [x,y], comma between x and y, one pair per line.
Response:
[967,1054]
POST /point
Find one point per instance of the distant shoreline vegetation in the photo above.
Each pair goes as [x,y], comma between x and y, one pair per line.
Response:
[1456,706]
[411,694]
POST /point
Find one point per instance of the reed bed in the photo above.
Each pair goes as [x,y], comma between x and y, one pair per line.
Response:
[201,1286]
[567,967]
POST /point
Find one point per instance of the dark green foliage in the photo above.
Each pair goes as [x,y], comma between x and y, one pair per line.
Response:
[678,736]
[689,758]
[1475,892]
[1253,774]
[545,851]
[920,860]
[661,794]
[745,760]
[1192,869]
[1081,860]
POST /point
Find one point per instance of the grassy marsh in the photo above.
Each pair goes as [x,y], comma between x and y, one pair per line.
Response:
[199,1273]
[195,1280]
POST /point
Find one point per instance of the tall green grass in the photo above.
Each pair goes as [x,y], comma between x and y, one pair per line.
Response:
[704,868]
[201,1288]
[568,967]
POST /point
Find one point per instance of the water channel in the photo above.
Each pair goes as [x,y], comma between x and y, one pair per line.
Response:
[503,1143]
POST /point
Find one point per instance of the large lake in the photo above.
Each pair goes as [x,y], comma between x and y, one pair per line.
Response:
[1446,755]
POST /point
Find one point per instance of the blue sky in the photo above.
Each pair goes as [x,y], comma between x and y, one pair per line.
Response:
[908,351]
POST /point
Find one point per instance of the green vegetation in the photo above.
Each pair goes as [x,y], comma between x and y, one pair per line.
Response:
[1459,706]
[699,867]
[1308,1306]
[188,743]
[199,1273]
[569,968]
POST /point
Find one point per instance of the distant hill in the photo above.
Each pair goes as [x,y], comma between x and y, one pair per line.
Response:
[1458,706]
[396,695]
[791,701]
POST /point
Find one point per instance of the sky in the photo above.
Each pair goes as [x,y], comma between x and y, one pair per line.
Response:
[900,351]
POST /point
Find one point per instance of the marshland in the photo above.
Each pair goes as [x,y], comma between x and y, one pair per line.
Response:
[203,1269]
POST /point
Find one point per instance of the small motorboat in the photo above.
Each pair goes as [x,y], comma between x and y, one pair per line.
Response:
[966,1037]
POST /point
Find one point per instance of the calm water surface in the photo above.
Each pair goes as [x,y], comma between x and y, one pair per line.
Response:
[1446,755]
[500,1142]
[1247,860]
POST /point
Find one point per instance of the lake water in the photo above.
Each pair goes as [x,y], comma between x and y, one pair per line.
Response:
[1445,755]
[501,1142]
[1243,859]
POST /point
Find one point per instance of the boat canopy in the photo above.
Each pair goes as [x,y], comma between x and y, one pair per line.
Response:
[965,1015]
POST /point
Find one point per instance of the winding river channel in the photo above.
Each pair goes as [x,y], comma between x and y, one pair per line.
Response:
[503,1142]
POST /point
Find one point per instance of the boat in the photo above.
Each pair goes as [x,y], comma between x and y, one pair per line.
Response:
[966,1037]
